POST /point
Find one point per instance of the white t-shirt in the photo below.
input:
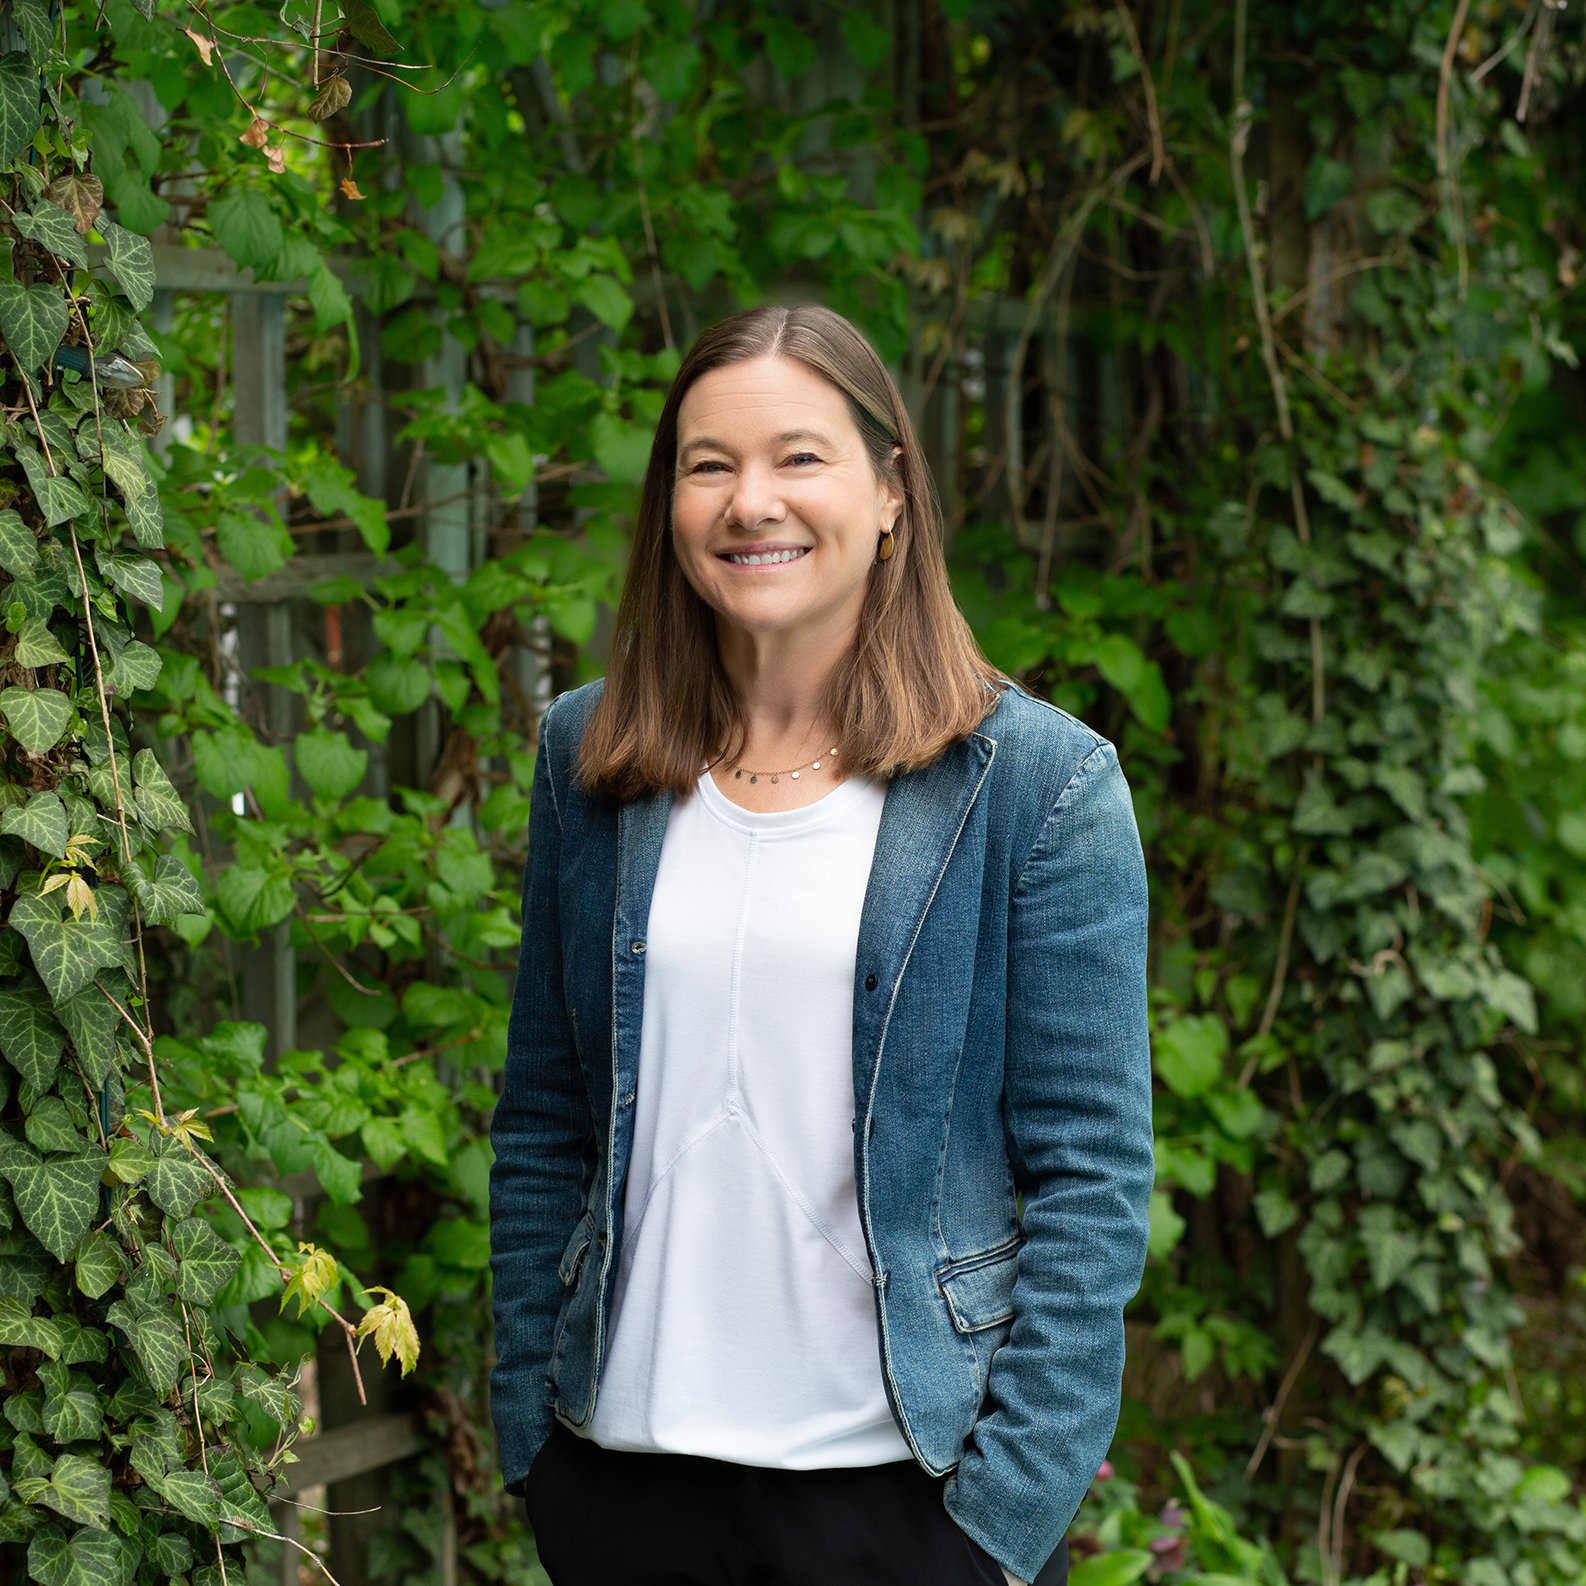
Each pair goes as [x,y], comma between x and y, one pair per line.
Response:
[743,1322]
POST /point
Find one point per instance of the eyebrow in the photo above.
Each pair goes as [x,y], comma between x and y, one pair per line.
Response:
[707,443]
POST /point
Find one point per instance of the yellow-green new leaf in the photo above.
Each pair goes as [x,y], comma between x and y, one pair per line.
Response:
[390,1324]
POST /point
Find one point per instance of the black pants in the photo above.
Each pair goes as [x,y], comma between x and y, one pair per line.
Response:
[608,1519]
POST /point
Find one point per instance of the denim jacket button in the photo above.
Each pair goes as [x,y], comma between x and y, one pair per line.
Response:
[636,948]
[870,982]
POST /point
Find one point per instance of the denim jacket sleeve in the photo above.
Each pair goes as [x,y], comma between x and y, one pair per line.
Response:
[1077,1078]
[540,1135]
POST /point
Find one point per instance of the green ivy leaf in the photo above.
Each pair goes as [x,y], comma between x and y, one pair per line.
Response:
[33,321]
[19,105]
[131,262]
[71,1404]
[98,1264]
[37,716]
[89,1557]
[57,1196]
[607,299]
[177,1179]
[207,1261]
[170,892]
[37,646]
[19,546]
[21,1329]
[32,18]
[30,1038]
[59,499]
[49,1126]
[51,227]
[137,576]
[157,1338]
[131,1161]
[92,1023]
[41,821]
[137,666]
[160,807]
[68,952]
[396,686]
[146,518]
[191,1493]
[171,1554]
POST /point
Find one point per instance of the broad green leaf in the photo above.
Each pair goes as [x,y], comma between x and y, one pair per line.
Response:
[33,320]
[19,105]
[37,716]
[253,900]
[37,646]
[41,821]
[607,299]
[131,262]
[1121,1567]
[207,1261]
[56,1196]
[51,227]
[88,1557]
[160,807]
[397,686]
[98,1264]
[30,1038]
[255,546]
[1189,1053]
[177,1180]
[246,226]
[364,23]
[622,449]
[329,763]
[19,545]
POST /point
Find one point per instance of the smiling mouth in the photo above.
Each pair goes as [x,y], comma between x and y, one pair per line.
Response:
[764,558]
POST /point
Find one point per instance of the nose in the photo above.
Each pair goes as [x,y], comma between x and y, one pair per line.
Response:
[755,498]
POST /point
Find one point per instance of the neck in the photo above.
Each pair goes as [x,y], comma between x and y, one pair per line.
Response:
[780,683]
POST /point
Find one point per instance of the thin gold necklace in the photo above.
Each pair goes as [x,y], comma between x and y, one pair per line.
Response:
[793,774]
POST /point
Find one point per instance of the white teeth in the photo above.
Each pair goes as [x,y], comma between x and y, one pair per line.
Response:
[758,559]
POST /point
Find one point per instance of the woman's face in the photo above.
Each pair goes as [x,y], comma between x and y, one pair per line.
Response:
[777,511]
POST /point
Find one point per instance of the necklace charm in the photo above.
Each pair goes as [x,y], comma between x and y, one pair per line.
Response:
[776,776]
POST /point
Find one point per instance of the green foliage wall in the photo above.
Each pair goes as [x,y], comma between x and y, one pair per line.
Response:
[1243,336]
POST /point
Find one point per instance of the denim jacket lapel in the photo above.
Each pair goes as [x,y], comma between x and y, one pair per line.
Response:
[921,821]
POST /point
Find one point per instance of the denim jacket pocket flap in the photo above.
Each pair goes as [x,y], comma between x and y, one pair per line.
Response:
[573,1256]
[979,1288]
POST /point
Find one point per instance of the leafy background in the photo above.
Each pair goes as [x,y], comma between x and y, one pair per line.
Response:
[1242,336]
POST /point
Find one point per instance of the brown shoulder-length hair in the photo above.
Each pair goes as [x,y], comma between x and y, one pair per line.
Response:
[914,681]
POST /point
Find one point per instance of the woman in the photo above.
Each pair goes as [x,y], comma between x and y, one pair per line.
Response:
[824,1147]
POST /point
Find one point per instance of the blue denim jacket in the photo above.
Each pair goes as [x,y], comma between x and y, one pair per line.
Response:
[1002,1104]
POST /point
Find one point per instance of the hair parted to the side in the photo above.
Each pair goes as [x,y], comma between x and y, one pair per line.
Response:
[915,680]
